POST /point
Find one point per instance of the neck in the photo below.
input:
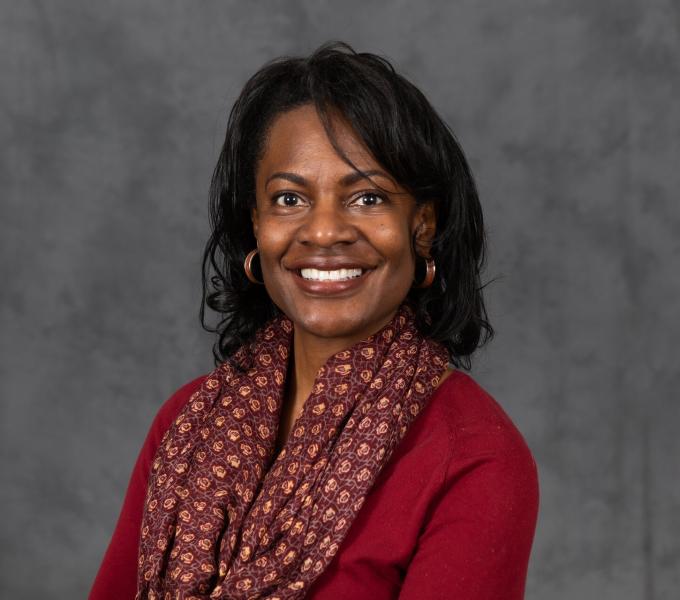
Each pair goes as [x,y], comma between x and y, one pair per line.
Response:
[310,353]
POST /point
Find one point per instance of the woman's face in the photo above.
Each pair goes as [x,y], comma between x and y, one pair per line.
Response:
[335,250]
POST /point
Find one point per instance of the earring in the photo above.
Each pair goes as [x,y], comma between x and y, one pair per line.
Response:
[248,266]
[429,273]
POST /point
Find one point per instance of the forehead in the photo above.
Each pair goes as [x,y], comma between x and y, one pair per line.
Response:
[297,137]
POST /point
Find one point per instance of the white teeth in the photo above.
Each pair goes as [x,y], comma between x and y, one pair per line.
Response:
[337,275]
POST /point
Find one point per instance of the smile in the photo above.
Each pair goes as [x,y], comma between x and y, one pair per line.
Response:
[336,275]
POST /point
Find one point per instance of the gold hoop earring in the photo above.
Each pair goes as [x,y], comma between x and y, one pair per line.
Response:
[248,266]
[430,271]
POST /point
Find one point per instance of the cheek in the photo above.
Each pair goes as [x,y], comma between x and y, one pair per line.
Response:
[272,246]
[272,240]
[394,244]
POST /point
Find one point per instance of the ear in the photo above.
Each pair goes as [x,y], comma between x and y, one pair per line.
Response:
[255,218]
[424,228]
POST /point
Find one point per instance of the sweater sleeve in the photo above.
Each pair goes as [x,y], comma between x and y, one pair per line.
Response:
[117,575]
[478,536]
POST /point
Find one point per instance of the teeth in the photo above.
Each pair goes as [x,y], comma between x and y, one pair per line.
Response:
[337,275]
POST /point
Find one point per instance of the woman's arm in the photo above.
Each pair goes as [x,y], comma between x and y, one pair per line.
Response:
[117,576]
[477,540]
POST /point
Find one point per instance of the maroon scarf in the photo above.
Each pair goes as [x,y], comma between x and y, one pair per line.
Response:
[221,520]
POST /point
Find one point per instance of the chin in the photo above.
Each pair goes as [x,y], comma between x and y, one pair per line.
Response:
[331,325]
[341,322]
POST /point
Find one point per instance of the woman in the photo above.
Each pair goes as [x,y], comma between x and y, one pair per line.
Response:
[337,450]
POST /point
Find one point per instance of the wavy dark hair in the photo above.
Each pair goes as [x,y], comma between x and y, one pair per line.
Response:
[405,135]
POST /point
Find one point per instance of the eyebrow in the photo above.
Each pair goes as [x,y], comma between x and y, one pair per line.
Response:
[346,180]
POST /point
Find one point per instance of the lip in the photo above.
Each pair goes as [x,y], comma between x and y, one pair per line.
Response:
[329,287]
[328,264]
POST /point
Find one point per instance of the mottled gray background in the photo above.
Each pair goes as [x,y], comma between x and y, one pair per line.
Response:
[111,117]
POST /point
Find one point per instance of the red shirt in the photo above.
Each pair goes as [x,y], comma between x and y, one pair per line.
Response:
[451,515]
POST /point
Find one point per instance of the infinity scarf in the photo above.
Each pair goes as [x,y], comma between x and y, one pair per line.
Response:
[222,519]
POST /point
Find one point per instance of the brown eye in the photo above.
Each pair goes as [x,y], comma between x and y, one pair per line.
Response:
[369,199]
[286,199]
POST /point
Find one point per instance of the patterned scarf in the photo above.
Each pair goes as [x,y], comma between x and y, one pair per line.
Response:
[221,520]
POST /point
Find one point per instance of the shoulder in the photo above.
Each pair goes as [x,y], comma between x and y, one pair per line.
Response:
[478,528]
[173,405]
[482,438]
[468,410]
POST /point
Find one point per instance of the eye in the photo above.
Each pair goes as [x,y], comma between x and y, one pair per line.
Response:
[286,199]
[369,199]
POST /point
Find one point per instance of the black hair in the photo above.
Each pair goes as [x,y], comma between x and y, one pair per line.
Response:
[405,134]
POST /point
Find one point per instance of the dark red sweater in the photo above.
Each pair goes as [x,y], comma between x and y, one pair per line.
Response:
[451,516]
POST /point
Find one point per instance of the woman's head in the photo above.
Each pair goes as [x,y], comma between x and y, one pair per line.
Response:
[293,178]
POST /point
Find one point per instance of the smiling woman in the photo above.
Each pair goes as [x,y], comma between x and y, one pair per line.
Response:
[329,219]
[334,244]
[337,448]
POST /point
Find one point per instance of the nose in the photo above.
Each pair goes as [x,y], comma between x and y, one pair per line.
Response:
[326,224]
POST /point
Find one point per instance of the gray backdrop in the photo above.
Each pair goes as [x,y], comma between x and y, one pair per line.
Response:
[112,114]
